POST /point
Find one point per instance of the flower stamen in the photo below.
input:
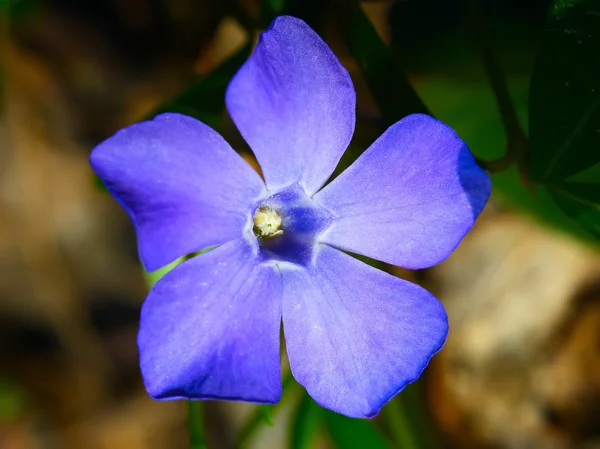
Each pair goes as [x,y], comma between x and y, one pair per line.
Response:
[267,223]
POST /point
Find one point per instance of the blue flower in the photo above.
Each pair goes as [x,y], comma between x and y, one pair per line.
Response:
[355,336]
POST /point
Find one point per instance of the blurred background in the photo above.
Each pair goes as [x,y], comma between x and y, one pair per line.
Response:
[521,367]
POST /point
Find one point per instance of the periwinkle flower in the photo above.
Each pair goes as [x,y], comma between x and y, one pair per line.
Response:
[355,335]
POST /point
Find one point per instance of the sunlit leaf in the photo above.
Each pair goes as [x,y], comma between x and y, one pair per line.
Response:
[152,277]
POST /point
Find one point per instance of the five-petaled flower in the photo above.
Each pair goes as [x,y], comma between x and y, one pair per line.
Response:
[355,336]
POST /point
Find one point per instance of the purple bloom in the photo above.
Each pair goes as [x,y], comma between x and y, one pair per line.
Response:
[355,336]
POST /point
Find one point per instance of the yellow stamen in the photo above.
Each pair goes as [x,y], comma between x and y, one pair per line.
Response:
[267,223]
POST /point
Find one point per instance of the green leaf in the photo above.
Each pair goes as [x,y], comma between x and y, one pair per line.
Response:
[265,411]
[307,424]
[12,402]
[152,277]
[99,184]
[589,175]
[580,201]
[387,82]
[205,98]
[408,420]
[348,433]
[275,5]
[19,9]
[564,114]
[269,10]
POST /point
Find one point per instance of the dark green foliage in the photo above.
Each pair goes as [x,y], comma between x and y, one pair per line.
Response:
[311,421]
[348,433]
[386,80]
[564,114]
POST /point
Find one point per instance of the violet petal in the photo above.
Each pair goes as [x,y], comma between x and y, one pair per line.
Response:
[294,103]
[410,198]
[182,184]
[209,329]
[356,336]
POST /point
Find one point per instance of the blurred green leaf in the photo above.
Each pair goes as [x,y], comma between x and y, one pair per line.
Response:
[205,98]
[307,423]
[408,420]
[269,10]
[275,5]
[580,201]
[265,410]
[19,9]
[12,402]
[589,175]
[99,184]
[387,82]
[348,433]
[272,8]
[564,111]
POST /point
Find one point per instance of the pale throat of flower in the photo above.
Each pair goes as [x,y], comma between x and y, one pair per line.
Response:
[267,223]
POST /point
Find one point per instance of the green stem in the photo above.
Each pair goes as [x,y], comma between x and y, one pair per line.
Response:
[399,427]
[517,142]
[257,418]
[197,440]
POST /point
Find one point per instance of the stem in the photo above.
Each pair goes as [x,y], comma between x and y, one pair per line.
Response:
[517,142]
[399,427]
[407,419]
[257,418]
[197,440]
[496,165]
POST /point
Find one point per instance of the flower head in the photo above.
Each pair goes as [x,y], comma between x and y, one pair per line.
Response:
[355,336]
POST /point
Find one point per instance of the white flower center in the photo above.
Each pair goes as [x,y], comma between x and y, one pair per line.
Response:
[267,223]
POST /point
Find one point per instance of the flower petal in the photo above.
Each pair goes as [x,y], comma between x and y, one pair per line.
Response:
[210,329]
[356,336]
[410,198]
[294,103]
[182,184]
